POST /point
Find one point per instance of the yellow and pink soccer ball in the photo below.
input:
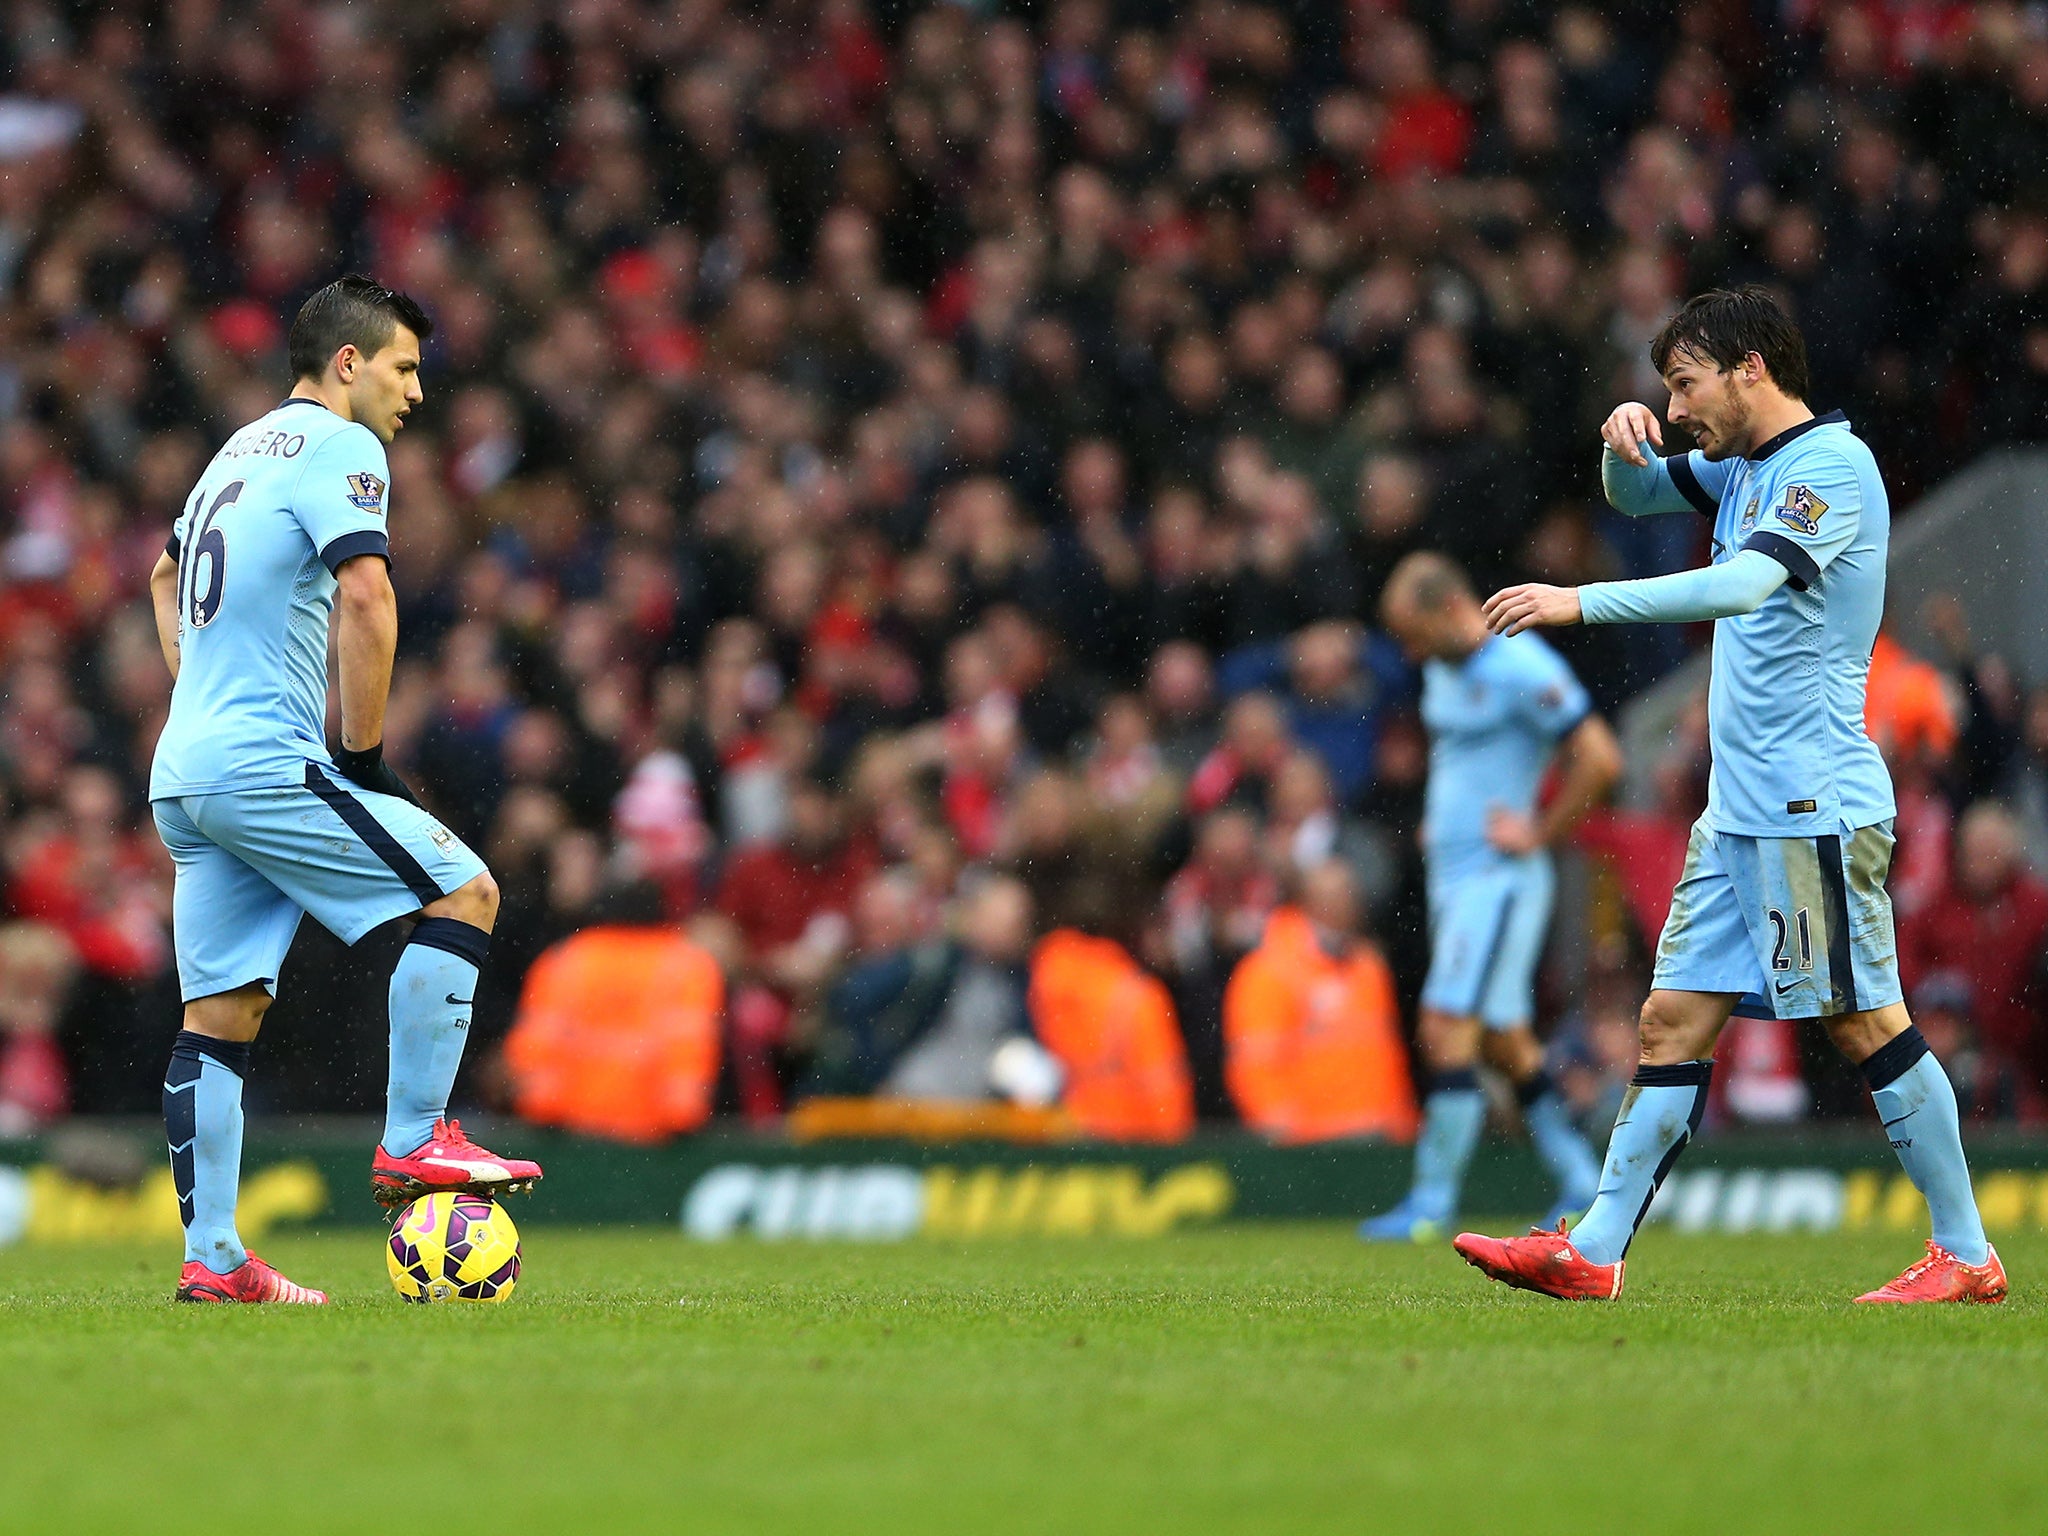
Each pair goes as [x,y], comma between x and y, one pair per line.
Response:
[453,1247]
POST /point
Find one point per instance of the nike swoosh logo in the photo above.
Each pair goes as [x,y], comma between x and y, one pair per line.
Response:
[1785,986]
[458,1002]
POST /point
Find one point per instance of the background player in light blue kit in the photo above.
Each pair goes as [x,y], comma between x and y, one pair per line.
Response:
[1781,909]
[286,526]
[1499,710]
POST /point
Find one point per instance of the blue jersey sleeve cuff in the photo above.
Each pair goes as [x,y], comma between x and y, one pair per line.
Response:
[364,541]
[1679,467]
[173,547]
[1803,573]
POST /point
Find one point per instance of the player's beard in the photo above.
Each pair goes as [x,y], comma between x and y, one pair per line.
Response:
[1725,430]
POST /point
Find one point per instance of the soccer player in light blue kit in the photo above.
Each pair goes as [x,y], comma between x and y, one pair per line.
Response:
[1499,709]
[285,530]
[1781,910]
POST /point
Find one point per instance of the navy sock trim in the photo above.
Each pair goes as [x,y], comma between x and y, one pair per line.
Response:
[190,1047]
[1680,1074]
[465,940]
[181,1122]
[1534,1088]
[1457,1080]
[376,837]
[1895,1058]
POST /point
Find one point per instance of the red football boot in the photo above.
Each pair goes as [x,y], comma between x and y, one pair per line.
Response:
[254,1281]
[1941,1276]
[1543,1261]
[449,1160]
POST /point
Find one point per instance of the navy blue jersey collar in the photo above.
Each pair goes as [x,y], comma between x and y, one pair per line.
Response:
[302,400]
[1758,455]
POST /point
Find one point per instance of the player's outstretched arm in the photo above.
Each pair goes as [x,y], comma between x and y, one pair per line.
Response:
[1738,585]
[163,598]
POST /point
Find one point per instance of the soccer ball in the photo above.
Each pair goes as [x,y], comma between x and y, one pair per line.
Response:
[453,1247]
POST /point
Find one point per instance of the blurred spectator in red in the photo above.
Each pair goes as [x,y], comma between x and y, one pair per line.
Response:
[1989,925]
[86,872]
[1241,769]
[36,966]
[1987,1087]
[791,903]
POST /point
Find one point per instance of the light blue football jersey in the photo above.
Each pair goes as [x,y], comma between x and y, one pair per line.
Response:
[284,503]
[1785,705]
[1494,721]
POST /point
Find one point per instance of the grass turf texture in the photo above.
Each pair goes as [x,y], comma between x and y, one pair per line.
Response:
[1248,1379]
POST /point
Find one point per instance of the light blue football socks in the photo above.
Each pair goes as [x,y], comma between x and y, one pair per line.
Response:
[1565,1152]
[1658,1117]
[1453,1115]
[1917,1104]
[203,1120]
[433,991]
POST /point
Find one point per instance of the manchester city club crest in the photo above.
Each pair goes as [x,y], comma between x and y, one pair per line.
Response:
[1802,510]
[1750,514]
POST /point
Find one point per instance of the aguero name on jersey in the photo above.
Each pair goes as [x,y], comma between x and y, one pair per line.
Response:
[285,502]
[1785,703]
[1494,721]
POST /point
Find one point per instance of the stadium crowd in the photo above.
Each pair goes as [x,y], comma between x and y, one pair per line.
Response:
[888,563]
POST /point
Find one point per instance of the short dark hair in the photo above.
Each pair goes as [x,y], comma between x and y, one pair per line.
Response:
[1725,325]
[1427,581]
[352,311]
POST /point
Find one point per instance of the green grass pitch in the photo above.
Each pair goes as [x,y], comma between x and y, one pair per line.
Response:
[1247,1379]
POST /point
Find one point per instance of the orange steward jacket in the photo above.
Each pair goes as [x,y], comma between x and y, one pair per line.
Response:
[1112,1026]
[1312,1043]
[617,1034]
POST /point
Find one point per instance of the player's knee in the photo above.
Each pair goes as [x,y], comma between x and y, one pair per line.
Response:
[1446,1040]
[1659,1031]
[236,1015]
[475,903]
[483,894]
[1514,1051]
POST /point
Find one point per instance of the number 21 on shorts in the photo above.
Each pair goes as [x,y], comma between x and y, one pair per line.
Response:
[1802,923]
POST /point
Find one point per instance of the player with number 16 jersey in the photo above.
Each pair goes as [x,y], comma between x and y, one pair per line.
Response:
[283,537]
[285,504]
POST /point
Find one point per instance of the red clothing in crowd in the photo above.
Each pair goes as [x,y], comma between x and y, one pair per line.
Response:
[1997,945]
[1646,853]
[103,899]
[773,895]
